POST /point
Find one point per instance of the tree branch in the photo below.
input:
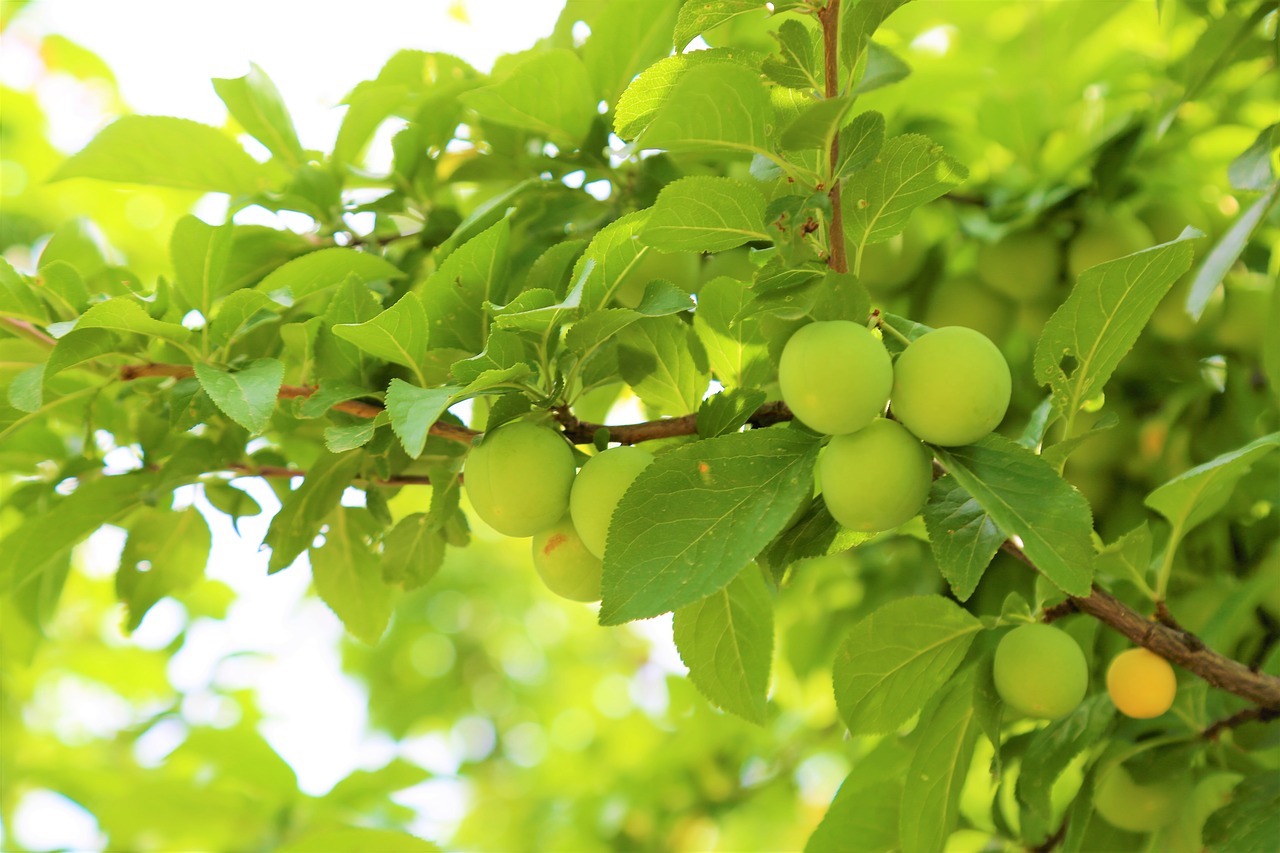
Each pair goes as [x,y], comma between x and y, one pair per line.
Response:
[1248,715]
[28,330]
[280,471]
[829,16]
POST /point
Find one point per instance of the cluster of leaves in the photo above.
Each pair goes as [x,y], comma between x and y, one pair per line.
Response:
[598,220]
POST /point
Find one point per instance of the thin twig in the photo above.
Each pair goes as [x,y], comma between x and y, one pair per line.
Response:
[283,472]
[1248,715]
[28,330]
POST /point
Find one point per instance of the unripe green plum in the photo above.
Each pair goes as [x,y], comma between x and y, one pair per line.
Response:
[887,266]
[1246,317]
[564,563]
[967,302]
[1171,322]
[951,386]
[1125,804]
[1040,671]
[598,488]
[518,478]
[1104,238]
[876,478]
[1166,218]
[835,376]
[1023,265]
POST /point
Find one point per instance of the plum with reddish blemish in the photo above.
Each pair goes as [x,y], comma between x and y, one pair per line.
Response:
[564,563]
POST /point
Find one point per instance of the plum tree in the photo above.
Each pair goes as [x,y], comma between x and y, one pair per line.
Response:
[1040,671]
[1023,265]
[951,386]
[876,478]
[598,488]
[1141,684]
[966,301]
[518,478]
[564,563]
[1127,805]
[835,376]
[1105,237]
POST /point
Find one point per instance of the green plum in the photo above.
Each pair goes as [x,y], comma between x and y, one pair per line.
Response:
[1023,265]
[564,563]
[835,376]
[885,267]
[951,386]
[1249,312]
[518,478]
[598,488]
[1040,671]
[968,302]
[1127,805]
[1105,237]
[876,478]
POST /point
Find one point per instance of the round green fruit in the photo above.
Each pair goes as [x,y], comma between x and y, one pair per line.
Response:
[876,478]
[835,376]
[887,266]
[518,478]
[951,386]
[968,302]
[1105,238]
[1023,265]
[1040,671]
[1125,804]
[598,488]
[564,563]
[1247,315]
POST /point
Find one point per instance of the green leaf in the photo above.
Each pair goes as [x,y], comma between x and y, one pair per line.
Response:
[705,214]
[1252,171]
[736,345]
[40,539]
[413,551]
[726,640]
[240,312]
[166,152]
[1224,255]
[817,125]
[501,351]
[1199,493]
[728,411]
[552,268]
[813,534]
[863,816]
[697,515]
[910,171]
[931,795]
[200,253]
[625,38]
[1050,751]
[1058,454]
[126,314]
[860,143]
[1250,823]
[357,840]
[165,553]
[1128,558]
[713,106]
[897,657]
[19,298]
[413,410]
[702,16]
[247,396]
[340,439]
[318,271]
[255,102]
[797,64]
[610,258]
[883,68]
[1090,333]
[398,334]
[662,360]
[964,537]
[304,511]
[549,93]
[858,21]
[457,296]
[348,577]
[648,92]
[1030,501]
[234,502]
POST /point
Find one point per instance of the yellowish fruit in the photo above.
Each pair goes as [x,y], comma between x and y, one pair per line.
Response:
[564,563]
[1141,683]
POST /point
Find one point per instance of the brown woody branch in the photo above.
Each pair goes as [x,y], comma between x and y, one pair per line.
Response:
[280,471]
[829,17]
[1248,715]
[28,330]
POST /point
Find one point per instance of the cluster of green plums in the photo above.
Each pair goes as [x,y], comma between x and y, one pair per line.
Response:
[523,480]
[949,387]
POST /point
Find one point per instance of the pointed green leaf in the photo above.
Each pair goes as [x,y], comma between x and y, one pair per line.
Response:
[347,575]
[964,537]
[1228,250]
[549,93]
[457,295]
[398,334]
[165,553]
[304,511]
[413,551]
[200,253]
[167,152]
[701,16]
[19,298]
[1199,493]
[728,411]
[240,312]
[705,214]
[255,102]
[126,314]
[726,640]
[317,271]
[736,345]
[661,358]
[1250,822]
[247,396]
[647,93]
[413,410]
[697,515]
[1050,751]
[858,21]
[814,533]
[797,64]
[625,39]
[896,658]
[883,68]
[1090,333]
[713,106]
[1030,501]
[910,171]
[860,143]
[817,125]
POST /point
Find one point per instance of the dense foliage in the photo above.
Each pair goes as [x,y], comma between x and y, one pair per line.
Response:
[602,225]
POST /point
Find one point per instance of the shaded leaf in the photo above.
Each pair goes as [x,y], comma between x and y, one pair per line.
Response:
[246,396]
[910,171]
[705,214]
[398,334]
[318,271]
[304,511]
[348,577]
[713,106]
[255,102]
[165,553]
[662,360]
[549,93]
[728,411]
[413,410]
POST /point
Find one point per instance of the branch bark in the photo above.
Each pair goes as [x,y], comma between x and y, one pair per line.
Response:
[829,16]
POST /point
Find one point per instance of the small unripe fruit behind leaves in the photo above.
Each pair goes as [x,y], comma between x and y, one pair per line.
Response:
[876,478]
[1125,804]
[564,563]
[835,376]
[1104,238]
[518,478]
[1023,265]
[1141,683]
[1040,671]
[598,488]
[951,386]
